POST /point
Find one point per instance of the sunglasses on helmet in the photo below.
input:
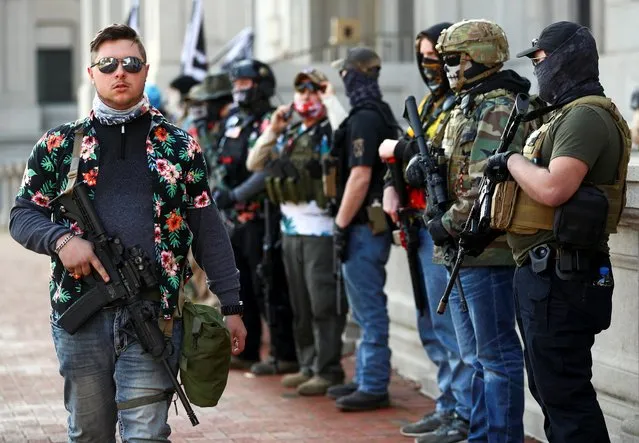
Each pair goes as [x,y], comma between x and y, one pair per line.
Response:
[108,65]
[307,86]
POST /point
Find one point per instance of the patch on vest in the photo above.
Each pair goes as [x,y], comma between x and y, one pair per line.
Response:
[358,147]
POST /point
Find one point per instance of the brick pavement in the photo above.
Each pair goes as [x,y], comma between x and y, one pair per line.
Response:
[252,409]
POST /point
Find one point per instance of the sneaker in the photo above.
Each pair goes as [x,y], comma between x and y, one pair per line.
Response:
[239,363]
[429,423]
[455,431]
[315,386]
[338,391]
[294,380]
[362,401]
[274,367]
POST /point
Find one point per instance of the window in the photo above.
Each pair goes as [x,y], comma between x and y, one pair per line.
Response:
[54,76]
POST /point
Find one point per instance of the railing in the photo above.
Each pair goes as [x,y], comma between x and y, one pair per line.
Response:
[10,179]
[393,48]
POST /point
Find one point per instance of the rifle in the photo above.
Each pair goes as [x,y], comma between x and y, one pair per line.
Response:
[130,272]
[409,235]
[265,268]
[436,188]
[477,233]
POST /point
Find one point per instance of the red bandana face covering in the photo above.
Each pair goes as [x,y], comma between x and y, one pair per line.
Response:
[311,108]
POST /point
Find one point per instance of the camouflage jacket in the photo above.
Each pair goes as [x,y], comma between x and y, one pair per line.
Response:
[471,136]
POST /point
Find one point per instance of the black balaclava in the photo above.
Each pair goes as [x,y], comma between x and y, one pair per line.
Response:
[570,71]
[433,74]
[361,87]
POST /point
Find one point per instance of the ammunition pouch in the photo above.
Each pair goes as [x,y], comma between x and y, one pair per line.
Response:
[288,183]
[581,221]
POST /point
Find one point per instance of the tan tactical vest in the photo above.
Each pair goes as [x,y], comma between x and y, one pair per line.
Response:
[514,211]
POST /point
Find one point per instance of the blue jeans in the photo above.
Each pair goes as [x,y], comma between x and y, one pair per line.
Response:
[489,343]
[103,367]
[364,278]
[437,335]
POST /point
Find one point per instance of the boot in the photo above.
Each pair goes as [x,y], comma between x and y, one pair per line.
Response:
[315,386]
[294,380]
[338,391]
[429,423]
[362,401]
[455,431]
[273,367]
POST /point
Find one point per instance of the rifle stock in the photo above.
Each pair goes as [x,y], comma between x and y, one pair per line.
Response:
[129,272]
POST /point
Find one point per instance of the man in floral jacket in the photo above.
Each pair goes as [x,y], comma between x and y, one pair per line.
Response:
[148,183]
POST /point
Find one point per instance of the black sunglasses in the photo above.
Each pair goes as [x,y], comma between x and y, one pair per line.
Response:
[108,65]
[452,59]
[307,86]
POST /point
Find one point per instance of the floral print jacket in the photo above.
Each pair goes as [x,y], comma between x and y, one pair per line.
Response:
[178,172]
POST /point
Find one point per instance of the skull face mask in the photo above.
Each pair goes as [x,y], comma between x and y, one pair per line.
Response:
[455,67]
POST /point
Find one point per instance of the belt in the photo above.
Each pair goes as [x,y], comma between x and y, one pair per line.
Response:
[569,263]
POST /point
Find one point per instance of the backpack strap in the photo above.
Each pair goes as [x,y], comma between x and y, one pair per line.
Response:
[72,175]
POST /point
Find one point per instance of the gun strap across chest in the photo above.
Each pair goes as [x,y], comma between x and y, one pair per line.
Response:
[72,175]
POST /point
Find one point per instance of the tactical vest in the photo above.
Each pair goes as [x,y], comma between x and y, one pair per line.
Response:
[295,176]
[514,211]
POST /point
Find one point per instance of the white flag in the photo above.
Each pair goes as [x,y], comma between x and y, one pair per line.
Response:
[133,20]
[194,61]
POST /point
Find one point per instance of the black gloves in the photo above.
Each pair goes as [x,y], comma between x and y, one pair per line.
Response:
[416,172]
[497,166]
[224,198]
[340,243]
[438,233]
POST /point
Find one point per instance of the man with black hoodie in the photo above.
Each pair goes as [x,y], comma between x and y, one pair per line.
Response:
[436,332]
[474,52]
[571,190]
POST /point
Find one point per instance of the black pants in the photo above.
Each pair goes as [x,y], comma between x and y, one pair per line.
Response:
[247,242]
[558,320]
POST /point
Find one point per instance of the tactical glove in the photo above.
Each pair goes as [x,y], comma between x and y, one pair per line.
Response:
[224,198]
[438,233]
[497,167]
[340,243]
[416,172]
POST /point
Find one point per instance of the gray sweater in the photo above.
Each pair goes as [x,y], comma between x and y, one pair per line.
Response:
[123,201]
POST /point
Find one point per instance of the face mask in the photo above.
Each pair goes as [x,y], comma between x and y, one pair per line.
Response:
[245,97]
[453,74]
[197,112]
[432,70]
[311,108]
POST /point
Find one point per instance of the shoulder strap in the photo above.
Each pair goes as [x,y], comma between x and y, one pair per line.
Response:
[72,175]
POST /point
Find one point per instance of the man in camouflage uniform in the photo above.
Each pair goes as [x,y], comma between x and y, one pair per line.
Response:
[474,52]
[239,194]
[436,332]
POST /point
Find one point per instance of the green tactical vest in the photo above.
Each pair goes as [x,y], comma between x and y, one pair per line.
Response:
[295,176]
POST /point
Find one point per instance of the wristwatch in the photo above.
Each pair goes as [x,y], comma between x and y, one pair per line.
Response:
[233,309]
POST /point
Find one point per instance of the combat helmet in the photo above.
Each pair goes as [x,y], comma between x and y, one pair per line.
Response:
[483,41]
[215,86]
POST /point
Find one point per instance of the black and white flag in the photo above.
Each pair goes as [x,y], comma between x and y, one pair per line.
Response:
[194,61]
[239,48]
[133,20]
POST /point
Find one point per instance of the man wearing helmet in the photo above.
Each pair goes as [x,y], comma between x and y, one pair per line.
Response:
[436,332]
[361,236]
[293,154]
[239,194]
[570,191]
[474,52]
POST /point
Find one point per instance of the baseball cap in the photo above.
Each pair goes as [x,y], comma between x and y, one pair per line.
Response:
[551,38]
[360,58]
[312,74]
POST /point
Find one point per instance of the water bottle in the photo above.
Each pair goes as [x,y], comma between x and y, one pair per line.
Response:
[605,279]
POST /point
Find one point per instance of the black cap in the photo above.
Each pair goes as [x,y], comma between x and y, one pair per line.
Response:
[183,83]
[360,58]
[551,38]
